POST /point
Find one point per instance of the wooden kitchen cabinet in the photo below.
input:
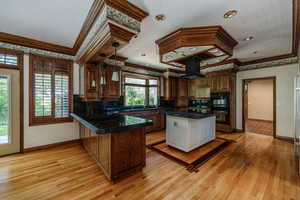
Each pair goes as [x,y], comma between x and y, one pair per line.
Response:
[155,115]
[89,82]
[170,88]
[182,87]
[118,154]
[112,88]
[96,82]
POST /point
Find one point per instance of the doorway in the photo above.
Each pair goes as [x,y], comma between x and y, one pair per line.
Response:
[10,111]
[259,110]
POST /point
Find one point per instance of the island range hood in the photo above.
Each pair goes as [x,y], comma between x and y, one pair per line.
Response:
[192,70]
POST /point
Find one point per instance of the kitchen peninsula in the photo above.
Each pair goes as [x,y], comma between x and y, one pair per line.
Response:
[117,142]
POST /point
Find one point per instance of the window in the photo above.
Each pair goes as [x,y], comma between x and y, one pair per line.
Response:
[51,89]
[140,90]
[10,58]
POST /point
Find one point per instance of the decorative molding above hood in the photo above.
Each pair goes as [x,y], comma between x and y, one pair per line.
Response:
[212,44]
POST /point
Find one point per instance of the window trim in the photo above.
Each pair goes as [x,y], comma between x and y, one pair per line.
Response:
[35,121]
[147,86]
[19,54]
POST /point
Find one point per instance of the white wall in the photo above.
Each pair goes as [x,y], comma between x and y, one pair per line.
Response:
[46,134]
[284,96]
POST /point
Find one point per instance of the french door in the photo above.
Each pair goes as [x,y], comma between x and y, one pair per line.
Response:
[9,111]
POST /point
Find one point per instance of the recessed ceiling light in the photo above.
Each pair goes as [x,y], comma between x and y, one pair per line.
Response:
[143,54]
[248,38]
[230,14]
[255,52]
[160,17]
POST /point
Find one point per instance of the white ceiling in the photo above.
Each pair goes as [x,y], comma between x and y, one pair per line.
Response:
[269,21]
[60,21]
[54,21]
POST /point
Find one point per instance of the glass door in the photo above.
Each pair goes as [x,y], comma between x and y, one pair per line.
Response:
[10,116]
[5,109]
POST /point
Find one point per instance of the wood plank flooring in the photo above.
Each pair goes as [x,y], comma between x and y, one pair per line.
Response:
[256,167]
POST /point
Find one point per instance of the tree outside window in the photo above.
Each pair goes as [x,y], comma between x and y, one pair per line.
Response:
[140,91]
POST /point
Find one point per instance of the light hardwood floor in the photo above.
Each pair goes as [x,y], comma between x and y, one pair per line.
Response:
[256,167]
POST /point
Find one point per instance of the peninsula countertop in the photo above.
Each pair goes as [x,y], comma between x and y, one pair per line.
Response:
[104,124]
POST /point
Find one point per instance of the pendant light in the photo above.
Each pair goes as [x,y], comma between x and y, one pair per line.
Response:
[115,74]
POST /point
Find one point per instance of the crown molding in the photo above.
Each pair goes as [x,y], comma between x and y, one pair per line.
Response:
[128,8]
[96,8]
[31,43]
[93,14]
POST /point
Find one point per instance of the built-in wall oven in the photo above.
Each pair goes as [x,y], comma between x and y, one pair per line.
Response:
[221,107]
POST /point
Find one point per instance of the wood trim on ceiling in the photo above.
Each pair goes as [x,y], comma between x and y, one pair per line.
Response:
[122,5]
[295,40]
[128,8]
[141,67]
[27,42]
[88,23]
[95,10]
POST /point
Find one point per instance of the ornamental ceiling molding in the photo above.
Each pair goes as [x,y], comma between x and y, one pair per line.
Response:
[29,50]
[274,63]
[218,68]
[109,14]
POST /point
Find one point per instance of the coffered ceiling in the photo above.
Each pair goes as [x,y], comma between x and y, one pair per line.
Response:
[54,21]
[269,21]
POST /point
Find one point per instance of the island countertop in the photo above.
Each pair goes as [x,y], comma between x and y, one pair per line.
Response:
[189,115]
[103,124]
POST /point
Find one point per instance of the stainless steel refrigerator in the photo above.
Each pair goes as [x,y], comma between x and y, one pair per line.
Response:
[297,119]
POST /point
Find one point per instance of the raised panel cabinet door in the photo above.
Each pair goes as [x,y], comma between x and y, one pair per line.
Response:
[182,88]
[112,86]
[214,84]
[225,83]
[91,82]
[128,149]
[174,87]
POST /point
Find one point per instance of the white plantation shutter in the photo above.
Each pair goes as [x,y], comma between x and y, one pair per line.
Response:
[42,94]
[51,89]
[61,96]
[8,59]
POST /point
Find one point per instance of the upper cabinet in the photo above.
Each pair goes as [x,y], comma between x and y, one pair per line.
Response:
[170,88]
[220,81]
[182,88]
[89,82]
[99,81]
[111,87]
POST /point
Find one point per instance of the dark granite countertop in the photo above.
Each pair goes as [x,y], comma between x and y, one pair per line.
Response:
[103,124]
[189,115]
[139,109]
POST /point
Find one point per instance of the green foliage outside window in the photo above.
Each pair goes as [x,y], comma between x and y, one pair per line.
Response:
[4,107]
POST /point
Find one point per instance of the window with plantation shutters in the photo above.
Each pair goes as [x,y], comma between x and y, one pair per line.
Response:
[61,96]
[8,59]
[42,95]
[51,90]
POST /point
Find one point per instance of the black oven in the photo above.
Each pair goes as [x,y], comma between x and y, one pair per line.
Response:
[221,107]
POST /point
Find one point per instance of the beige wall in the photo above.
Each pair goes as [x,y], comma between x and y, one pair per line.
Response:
[285,76]
[46,134]
[260,99]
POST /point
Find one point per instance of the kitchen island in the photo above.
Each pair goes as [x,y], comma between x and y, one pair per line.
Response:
[116,143]
[188,131]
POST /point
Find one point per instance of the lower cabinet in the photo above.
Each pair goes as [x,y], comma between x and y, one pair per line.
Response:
[118,154]
[157,118]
